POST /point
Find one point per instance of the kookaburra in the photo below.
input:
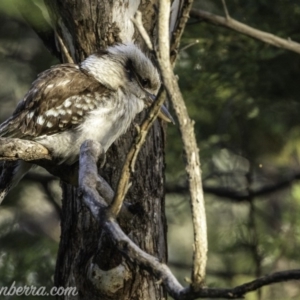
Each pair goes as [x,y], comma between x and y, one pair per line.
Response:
[97,99]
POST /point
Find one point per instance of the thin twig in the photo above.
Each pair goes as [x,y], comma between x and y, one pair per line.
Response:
[226,10]
[64,49]
[137,20]
[189,45]
[263,36]
[190,148]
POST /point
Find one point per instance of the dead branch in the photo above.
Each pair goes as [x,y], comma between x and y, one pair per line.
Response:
[88,177]
[190,148]
[246,30]
[15,149]
[237,196]
[18,149]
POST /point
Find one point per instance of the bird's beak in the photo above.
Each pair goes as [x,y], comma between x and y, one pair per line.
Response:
[163,113]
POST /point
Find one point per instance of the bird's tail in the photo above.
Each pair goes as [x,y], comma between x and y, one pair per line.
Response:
[11,172]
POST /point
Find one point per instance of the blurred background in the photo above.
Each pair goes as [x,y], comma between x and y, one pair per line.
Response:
[244,97]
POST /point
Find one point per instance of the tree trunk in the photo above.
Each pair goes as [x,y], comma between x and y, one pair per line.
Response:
[87,259]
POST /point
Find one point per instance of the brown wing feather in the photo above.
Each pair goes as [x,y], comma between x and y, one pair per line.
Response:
[57,100]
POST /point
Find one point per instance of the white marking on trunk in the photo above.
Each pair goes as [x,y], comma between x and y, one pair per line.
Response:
[122,12]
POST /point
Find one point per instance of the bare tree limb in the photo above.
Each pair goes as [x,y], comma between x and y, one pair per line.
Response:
[12,149]
[88,175]
[246,30]
[90,150]
[190,147]
[15,149]
[236,196]
[241,290]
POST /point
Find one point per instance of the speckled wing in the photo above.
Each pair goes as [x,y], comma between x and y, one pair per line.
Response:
[58,100]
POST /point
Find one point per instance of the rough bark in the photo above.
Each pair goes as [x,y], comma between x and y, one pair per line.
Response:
[14,149]
[97,269]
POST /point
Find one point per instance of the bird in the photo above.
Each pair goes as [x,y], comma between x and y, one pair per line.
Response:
[70,103]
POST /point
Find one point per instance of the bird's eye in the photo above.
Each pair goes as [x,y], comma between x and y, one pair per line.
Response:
[145,82]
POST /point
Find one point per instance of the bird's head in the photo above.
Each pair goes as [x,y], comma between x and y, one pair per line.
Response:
[126,67]
[140,76]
